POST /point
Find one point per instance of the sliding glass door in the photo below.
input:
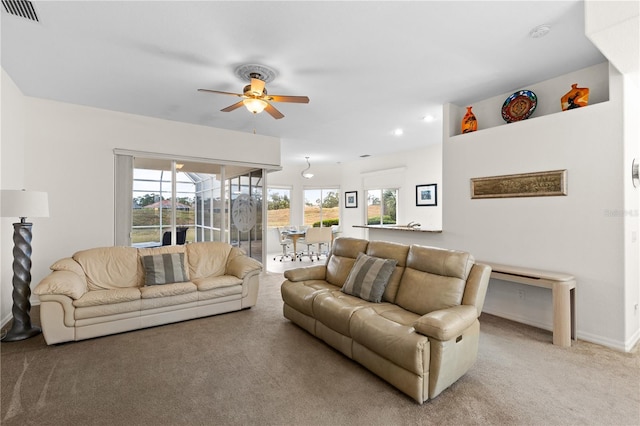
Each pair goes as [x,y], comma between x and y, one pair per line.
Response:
[245,222]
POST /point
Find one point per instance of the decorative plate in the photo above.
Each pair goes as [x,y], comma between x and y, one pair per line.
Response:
[519,106]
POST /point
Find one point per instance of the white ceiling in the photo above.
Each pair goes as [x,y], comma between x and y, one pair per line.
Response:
[368,67]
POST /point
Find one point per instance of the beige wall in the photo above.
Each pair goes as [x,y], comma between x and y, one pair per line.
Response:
[11,177]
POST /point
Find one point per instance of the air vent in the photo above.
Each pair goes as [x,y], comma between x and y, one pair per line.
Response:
[20,8]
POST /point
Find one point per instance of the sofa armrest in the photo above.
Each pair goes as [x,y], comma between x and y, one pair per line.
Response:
[316,272]
[64,283]
[445,324]
[240,266]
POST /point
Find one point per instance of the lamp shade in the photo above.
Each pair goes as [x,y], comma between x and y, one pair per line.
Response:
[256,106]
[16,203]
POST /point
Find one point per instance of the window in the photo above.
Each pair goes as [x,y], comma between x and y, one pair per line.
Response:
[321,207]
[209,207]
[153,199]
[279,206]
[381,206]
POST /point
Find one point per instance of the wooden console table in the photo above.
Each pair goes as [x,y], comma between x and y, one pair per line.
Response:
[563,287]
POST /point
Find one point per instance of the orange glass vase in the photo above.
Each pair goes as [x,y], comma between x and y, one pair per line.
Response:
[575,98]
[469,122]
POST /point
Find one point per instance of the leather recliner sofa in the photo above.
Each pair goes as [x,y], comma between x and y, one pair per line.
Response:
[421,337]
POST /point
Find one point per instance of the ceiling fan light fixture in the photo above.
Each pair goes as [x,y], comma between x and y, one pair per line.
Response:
[256,106]
[305,173]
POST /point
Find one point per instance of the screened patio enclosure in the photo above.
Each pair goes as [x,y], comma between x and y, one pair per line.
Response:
[178,202]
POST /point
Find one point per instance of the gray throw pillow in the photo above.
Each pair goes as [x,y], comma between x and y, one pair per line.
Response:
[369,277]
[164,269]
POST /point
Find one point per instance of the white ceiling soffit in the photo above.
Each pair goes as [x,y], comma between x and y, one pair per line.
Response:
[614,27]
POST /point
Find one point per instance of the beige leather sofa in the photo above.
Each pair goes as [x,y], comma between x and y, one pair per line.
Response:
[109,290]
[421,337]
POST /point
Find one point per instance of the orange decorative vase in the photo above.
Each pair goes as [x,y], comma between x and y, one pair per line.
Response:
[469,122]
[575,98]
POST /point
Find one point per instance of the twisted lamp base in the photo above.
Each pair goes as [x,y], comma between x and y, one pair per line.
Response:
[21,327]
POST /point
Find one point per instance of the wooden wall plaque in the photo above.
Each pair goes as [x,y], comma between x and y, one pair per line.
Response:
[538,184]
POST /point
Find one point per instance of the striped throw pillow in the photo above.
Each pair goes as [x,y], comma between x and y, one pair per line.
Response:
[369,277]
[164,269]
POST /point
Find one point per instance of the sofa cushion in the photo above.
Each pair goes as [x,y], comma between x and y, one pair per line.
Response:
[224,293]
[334,309]
[164,268]
[174,289]
[344,252]
[395,342]
[395,313]
[369,277]
[207,259]
[439,261]
[210,283]
[389,250]
[107,297]
[300,294]
[434,279]
[107,268]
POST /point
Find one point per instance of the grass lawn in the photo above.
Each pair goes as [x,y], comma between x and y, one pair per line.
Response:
[282,217]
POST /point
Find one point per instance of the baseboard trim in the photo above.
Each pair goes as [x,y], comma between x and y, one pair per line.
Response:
[603,341]
[6,320]
[618,345]
[632,341]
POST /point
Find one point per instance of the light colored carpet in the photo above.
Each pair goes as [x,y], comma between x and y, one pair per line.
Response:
[256,367]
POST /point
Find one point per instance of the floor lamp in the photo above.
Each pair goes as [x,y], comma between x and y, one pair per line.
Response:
[22,204]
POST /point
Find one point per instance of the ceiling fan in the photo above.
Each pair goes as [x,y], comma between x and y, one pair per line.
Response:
[256,99]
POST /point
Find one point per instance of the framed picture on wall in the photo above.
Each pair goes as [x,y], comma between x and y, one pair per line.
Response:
[351,199]
[427,195]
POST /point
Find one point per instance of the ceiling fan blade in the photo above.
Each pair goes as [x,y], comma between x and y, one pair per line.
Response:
[232,107]
[273,112]
[257,86]
[295,99]
[218,91]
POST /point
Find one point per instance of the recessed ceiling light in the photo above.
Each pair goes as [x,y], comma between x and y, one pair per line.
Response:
[540,31]
[398,132]
[428,118]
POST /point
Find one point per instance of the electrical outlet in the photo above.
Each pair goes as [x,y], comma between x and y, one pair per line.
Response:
[521,294]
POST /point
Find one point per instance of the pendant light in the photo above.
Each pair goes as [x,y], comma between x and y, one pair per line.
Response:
[305,173]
